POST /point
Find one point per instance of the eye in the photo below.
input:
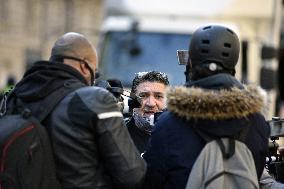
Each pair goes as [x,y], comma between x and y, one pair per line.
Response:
[159,96]
[143,95]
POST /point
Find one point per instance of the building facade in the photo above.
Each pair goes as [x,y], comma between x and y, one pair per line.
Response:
[28,29]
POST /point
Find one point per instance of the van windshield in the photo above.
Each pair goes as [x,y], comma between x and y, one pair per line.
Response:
[125,53]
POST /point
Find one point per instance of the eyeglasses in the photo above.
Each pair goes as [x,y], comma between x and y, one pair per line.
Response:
[94,74]
[76,59]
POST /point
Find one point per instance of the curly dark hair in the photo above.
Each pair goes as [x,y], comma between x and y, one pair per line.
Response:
[152,76]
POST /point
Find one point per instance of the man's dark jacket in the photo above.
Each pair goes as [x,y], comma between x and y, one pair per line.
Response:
[219,106]
[92,147]
[139,137]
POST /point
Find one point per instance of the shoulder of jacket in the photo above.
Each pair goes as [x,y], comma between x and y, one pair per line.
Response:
[96,99]
[92,89]
[94,92]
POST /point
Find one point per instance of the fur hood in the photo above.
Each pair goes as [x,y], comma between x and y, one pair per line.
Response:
[198,103]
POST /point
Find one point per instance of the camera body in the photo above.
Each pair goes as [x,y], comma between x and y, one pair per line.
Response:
[275,159]
[115,87]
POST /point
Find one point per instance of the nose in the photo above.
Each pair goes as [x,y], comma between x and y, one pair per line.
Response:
[151,101]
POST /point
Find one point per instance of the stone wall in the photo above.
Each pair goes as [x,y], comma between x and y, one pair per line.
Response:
[28,29]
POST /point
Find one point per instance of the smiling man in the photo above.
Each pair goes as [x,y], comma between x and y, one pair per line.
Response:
[150,89]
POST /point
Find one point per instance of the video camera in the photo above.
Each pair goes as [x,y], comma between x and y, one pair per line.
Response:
[115,87]
[275,160]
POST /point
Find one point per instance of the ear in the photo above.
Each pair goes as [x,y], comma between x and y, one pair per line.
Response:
[84,69]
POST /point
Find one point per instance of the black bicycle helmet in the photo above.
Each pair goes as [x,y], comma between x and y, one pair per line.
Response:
[214,44]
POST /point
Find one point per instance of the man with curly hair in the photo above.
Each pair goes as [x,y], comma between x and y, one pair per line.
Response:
[149,89]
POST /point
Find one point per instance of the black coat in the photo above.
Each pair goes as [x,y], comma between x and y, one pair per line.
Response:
[220,107]
[91,145]
[139,137]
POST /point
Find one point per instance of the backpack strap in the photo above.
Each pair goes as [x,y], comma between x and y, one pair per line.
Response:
[229,152]
[232,143]
[54,98]
[3,105]
[16,105]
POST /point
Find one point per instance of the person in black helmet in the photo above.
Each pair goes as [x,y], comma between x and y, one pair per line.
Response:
[212,101]
[91,144]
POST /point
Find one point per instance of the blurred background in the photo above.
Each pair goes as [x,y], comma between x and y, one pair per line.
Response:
[28,29]
[144,35]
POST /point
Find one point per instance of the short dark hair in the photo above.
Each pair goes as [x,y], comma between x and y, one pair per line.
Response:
[152,76]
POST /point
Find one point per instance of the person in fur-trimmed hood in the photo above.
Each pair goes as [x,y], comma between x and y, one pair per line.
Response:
[212,101]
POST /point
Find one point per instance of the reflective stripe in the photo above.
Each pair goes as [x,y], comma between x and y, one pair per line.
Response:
[109,114]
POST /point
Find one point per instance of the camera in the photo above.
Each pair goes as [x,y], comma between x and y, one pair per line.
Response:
[182,56]
[115,87]
[275,159]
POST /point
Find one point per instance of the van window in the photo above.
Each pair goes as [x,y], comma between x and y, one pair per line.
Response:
[125,53]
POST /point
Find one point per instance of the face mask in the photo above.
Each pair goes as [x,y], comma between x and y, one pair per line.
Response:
[144,123]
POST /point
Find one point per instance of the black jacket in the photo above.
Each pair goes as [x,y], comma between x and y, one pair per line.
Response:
[219,106]
[139,137]
[92,147]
